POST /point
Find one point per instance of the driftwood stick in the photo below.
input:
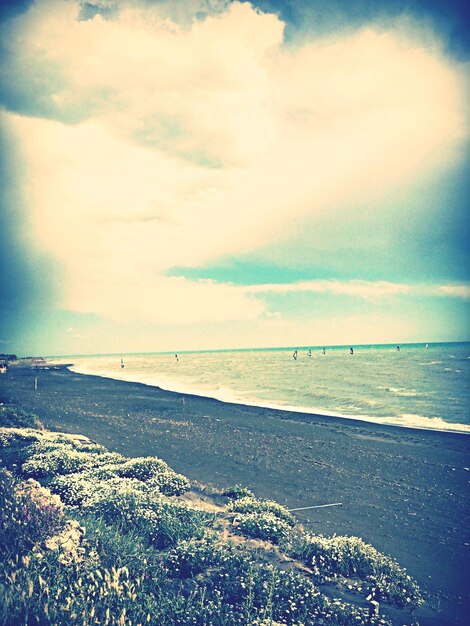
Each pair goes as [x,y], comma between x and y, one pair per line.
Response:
[317,506]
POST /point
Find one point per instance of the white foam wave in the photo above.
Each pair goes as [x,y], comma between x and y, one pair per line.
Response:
[400,391]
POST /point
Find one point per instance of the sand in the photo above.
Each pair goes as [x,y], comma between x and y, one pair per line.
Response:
[405,491]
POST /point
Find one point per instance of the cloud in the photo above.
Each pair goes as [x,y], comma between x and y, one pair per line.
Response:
[160,300]
[150,144]
[455,291]
[364,289]
[354,288]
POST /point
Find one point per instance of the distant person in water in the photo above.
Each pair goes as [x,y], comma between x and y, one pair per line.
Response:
[295,355]
[309,352]
[122,363]
[351,351]
[176,357]
[427,347]
[323,350]
[398,348]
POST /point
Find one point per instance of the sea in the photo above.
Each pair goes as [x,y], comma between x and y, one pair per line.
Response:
[413,385]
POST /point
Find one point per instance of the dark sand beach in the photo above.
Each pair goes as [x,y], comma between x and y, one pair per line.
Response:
[404,491]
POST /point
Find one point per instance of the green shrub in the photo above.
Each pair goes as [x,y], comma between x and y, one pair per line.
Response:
[73,488]
[191,557]
[142,468]
[107,544]
[15,444]
[238,491]
[13,417]
[252,505]
[263,525]
[263,595]
[351,556]
[163,522]
[169,483]
[62,459]
[44,591]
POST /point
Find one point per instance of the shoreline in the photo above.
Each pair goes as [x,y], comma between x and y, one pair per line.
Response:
[403,490]
[452,427]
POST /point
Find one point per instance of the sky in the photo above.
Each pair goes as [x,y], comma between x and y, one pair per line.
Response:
[219,174]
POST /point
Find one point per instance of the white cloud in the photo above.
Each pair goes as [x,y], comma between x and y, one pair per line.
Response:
[208,140]
[355,288]
[454,291]
[364,289]
[161,300]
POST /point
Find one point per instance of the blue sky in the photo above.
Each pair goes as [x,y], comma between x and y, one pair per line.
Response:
[216,174]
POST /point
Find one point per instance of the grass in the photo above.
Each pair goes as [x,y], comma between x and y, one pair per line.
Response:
[145,556]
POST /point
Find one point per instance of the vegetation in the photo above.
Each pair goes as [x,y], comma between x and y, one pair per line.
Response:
[113,541]
[10,417]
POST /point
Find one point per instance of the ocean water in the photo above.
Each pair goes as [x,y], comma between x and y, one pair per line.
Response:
[415,386]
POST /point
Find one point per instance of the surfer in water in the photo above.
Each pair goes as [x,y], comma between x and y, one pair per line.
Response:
[351,351]
[323,350]
[122,363]
[309,352]
[398,348]
[295,355]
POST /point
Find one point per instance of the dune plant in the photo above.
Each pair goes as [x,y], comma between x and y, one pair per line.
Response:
[27,518]
[191,557]
[352,557]
[15,444]
[253,505]
[62,459]
[14,417]
[161,521]
[142,468]
[263,525]
[237,491]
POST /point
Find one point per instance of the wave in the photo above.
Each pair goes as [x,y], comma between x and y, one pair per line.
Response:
[400,391]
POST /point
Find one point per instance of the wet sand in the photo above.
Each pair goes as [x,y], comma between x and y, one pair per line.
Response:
[405,491]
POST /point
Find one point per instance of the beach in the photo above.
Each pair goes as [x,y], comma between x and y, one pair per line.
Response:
[403,490]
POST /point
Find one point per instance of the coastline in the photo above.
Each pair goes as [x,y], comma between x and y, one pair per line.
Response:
[413,388]
[403,490]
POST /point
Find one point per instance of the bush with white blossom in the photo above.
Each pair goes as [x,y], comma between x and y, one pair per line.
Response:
[253,505]
[352,557]
[264,525]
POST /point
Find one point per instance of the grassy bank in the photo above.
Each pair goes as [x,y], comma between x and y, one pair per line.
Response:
[94,537]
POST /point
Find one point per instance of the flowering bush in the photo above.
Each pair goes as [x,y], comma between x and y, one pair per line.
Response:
[61,459]
[128,503]
[28,514]
[252,505]
[263,526]
[76,487]
[14,445]
[142,468]
[193,556]
[170,483]
[261,595]
[238,491]
[351,556]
